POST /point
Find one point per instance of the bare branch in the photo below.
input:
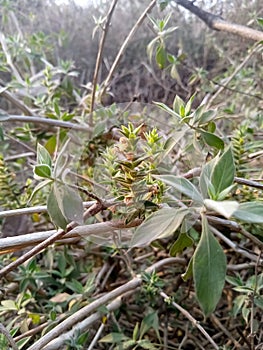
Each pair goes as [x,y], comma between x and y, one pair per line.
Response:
[99,55]
[46,121]
[125,43]
[11,341]
[9,244]
[20,105]
[191,319]
[217,23]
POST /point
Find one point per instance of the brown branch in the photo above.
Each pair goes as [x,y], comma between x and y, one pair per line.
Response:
[20,105]
[217,23]
[124,45]
[94,209]
[99,56]
[15,243]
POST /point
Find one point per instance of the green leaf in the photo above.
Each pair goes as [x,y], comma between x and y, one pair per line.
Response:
[56,108]
[212,140]
[223,172]
[204,117]
[55,212]
[209,270]
[168,110]
[38,188]
[43,157]
[183,186]
[160,57]
[177,103]
[182,242]
[225,208]
[135,333]
[250,212]
[204,181]
[159,224]
[189,271]
[149,321]
[260,21]
[1,134]
[211,127]
[42,170]
[69,202]
[20,343]
[113,338]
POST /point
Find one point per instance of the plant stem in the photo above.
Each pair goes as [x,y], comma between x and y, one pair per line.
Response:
[125,43]
[99,57]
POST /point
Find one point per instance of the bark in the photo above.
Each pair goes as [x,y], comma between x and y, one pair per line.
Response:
[217,23]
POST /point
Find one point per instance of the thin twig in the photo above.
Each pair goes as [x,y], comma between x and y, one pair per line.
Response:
[234,226]
[11,341]
[219,325]
[124,45]
[32,210]
[238,68]
[97,336]
[9,59]
[11,98]
[46,121]
[191,319]
[235,247]
[99,56]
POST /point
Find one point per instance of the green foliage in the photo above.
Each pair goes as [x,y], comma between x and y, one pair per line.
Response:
[209,270]
[173,170]
[249,294]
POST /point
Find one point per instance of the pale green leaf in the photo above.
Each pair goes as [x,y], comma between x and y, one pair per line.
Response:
[223,172]
[168,110]
[69,202]
[160,224]
[113,338]
[183,186]
[250,212]
[55,212]
[43,157]
[225,208]
[205,177]
[209,270]
[38,188]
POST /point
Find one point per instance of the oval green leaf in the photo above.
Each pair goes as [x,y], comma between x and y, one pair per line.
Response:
[212,140]
[209,270]
[250,212]
[159,224]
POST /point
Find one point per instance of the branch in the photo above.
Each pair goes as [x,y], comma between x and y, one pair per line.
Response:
[93,210]
[190,318]
[20,105]
[15,243]
[217,23]
[46,121]
[99,56]
[125,43]
[11,341]
[88,309]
